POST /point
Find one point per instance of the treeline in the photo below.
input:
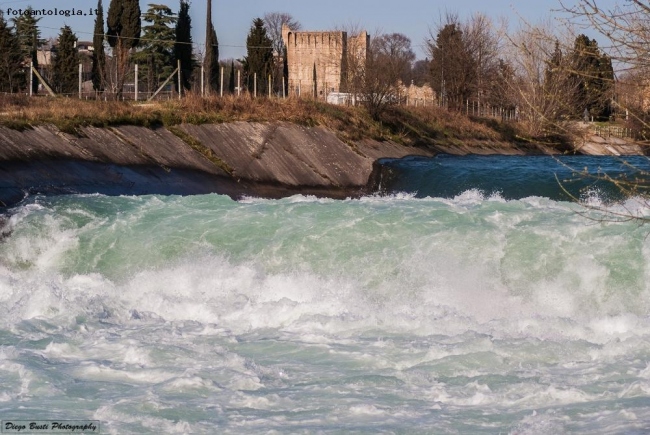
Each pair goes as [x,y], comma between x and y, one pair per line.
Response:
[157,41]
[543,76]
[540,76]
[476,63]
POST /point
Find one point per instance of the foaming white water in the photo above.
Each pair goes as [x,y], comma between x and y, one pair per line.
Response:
[381,314]
[486,260]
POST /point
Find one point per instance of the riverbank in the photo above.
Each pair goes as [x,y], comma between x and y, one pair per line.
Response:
[237,147]
[236,159]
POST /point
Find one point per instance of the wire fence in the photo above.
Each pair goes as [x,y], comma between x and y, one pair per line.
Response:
[485,110]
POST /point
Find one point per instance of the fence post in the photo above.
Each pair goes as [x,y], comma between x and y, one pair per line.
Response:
[221,81]
[238,82]
[255,85]
[180,84]
[202,80]
[284,95]
[31,78]
[136,83]
[81,69]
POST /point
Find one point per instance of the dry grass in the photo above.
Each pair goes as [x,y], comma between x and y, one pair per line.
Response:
[418,126]
[68,114]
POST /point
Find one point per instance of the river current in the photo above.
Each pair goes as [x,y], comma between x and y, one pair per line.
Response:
[472,310]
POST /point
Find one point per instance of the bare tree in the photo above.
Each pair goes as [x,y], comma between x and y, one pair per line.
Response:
[273,22]
[624,25]
[540,83]
[388,59]
[484,41]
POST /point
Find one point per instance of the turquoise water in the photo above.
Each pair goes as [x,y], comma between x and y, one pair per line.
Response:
[516,177]
[394,314]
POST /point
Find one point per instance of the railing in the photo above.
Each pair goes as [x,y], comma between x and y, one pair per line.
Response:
[614,131]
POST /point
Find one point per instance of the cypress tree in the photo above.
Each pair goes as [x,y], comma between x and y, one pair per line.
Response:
[12,78]
[558,91]
[123,34]
[285,71]
[260,56]
[211,60]
[183,45]
[231,84]
[595,77]
[315,82]
[28,34]
[99,55]
[66,63]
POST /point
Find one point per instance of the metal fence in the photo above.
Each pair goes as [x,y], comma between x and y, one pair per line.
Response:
[618,132]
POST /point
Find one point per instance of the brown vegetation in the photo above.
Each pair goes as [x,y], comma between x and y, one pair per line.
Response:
[408,125]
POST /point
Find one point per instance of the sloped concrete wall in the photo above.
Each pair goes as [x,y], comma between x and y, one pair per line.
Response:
[265,159]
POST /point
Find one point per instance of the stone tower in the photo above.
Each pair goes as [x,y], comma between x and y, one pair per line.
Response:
[318,61]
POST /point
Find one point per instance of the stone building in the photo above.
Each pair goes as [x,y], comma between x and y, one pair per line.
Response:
[318,61]
[413,95]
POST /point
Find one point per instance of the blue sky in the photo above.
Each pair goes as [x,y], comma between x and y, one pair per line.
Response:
[233,18]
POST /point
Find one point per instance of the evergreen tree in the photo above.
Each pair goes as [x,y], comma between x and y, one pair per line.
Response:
[314,80]
[285,71]
[158,42]
[66,63]
[28,34]
[211,60]
[558,90]
[183,46]
[260,56]
[453,68]
[554,65]
[594,75]
[123,33]
[99,55]
[231,84]
[12,78]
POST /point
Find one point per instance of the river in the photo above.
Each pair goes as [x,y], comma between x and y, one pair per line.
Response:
[475,308]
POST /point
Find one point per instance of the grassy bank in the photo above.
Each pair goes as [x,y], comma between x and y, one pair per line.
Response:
[417,126]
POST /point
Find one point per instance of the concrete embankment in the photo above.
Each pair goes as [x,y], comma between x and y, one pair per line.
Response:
[259,159]
[236,159]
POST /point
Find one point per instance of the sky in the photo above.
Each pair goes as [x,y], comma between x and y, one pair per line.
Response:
[232,19]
